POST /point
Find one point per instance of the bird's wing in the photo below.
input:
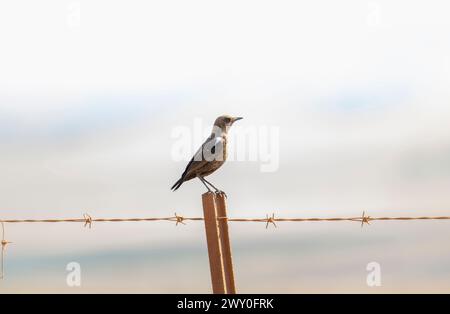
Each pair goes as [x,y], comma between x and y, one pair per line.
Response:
[213,148]
[210,150]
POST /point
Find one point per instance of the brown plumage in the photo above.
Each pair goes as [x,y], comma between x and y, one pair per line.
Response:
[211,155]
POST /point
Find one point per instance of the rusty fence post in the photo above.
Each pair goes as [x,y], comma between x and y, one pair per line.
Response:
[214,245]
[219,248]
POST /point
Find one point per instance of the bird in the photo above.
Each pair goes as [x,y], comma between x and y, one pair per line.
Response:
[210,156]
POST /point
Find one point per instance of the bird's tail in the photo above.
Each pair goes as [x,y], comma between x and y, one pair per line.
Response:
[177,184]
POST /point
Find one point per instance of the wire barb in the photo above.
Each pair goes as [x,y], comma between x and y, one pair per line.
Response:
[3,244]
[270,220]
[87,220]
[365,219]
[179,219]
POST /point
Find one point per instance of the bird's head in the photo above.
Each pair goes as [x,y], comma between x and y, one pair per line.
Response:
[225,122]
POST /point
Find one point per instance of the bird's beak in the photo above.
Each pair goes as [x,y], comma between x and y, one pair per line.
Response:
[237,118]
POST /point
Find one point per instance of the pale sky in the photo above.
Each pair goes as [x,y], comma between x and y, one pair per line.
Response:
[91,91]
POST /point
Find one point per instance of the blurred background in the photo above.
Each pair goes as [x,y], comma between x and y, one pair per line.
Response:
[91,92]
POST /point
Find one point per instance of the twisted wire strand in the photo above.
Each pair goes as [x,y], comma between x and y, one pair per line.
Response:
[88,220]
[181,219]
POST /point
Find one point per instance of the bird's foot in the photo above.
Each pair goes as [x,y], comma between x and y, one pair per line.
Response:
[221,193]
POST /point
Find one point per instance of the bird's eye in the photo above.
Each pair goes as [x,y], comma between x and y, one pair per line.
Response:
[227,120]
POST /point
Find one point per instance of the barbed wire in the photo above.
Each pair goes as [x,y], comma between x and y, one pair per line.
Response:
[88,221]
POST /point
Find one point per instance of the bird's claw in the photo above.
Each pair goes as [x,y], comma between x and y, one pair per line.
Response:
[221,193]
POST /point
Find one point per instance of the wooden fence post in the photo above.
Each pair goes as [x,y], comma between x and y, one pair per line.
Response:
[219,248]
[214,244]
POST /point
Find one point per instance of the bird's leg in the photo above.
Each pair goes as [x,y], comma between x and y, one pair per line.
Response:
[217,190]
[203,181]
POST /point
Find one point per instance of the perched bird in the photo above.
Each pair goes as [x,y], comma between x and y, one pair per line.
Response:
[211,155]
